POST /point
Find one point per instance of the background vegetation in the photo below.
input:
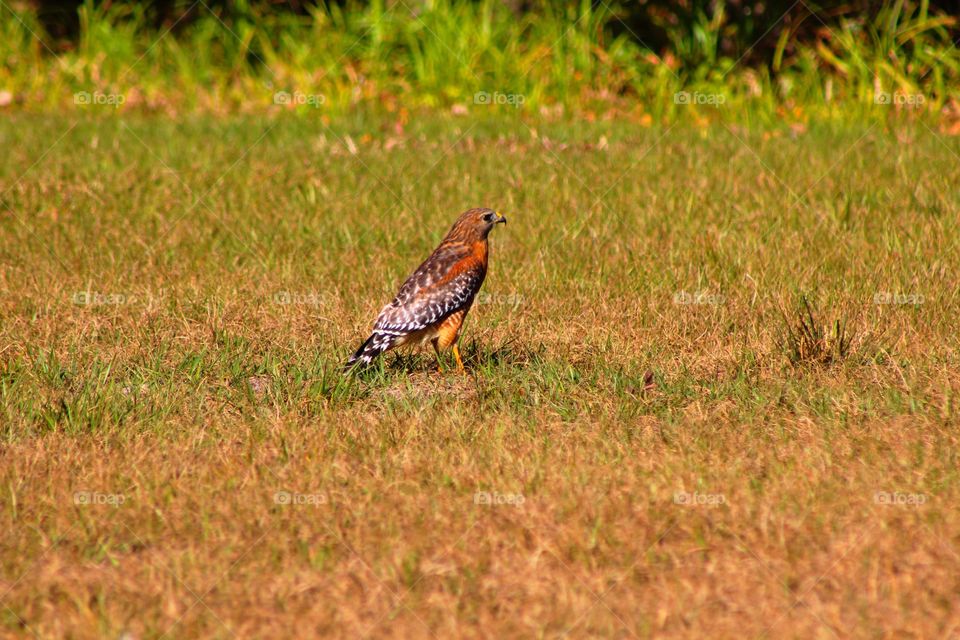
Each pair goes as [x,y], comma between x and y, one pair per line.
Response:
[595,58]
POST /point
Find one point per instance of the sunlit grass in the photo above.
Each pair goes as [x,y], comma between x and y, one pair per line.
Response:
[574,57]
[634,450]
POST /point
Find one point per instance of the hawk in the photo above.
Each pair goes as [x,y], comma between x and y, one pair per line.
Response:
[432,303]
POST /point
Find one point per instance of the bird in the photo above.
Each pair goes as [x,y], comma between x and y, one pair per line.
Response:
[433,302]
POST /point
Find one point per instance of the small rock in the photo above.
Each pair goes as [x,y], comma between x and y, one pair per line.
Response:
[258,384]
[648,382]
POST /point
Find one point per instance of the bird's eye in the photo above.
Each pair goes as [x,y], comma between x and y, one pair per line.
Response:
[488,217]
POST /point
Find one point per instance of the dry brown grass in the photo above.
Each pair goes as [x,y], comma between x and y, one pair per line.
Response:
[730,494]
[397,546]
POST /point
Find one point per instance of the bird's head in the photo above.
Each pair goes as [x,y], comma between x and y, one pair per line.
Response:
[475,224]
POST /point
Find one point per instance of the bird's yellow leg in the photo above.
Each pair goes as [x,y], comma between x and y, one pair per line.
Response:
[436,349]
[456,354]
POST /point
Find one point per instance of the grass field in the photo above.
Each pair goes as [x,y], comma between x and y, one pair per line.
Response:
[712,383]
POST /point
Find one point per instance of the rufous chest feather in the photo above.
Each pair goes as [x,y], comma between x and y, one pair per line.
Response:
[478,252]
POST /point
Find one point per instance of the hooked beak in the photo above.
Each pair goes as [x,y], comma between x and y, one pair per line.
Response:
[500,218]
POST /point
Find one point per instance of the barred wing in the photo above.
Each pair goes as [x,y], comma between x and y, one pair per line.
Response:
[445,283]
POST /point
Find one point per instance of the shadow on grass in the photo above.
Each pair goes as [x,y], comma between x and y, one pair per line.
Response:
[476,358]
[412,375]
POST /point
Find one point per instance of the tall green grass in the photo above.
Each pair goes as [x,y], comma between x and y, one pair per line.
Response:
[901,49]
[445,53]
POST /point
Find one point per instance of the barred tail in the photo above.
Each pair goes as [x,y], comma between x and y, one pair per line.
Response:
[377,343]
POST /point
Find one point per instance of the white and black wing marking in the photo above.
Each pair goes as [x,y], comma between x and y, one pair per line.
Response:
[430,305]
[434,269]
[426,298]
